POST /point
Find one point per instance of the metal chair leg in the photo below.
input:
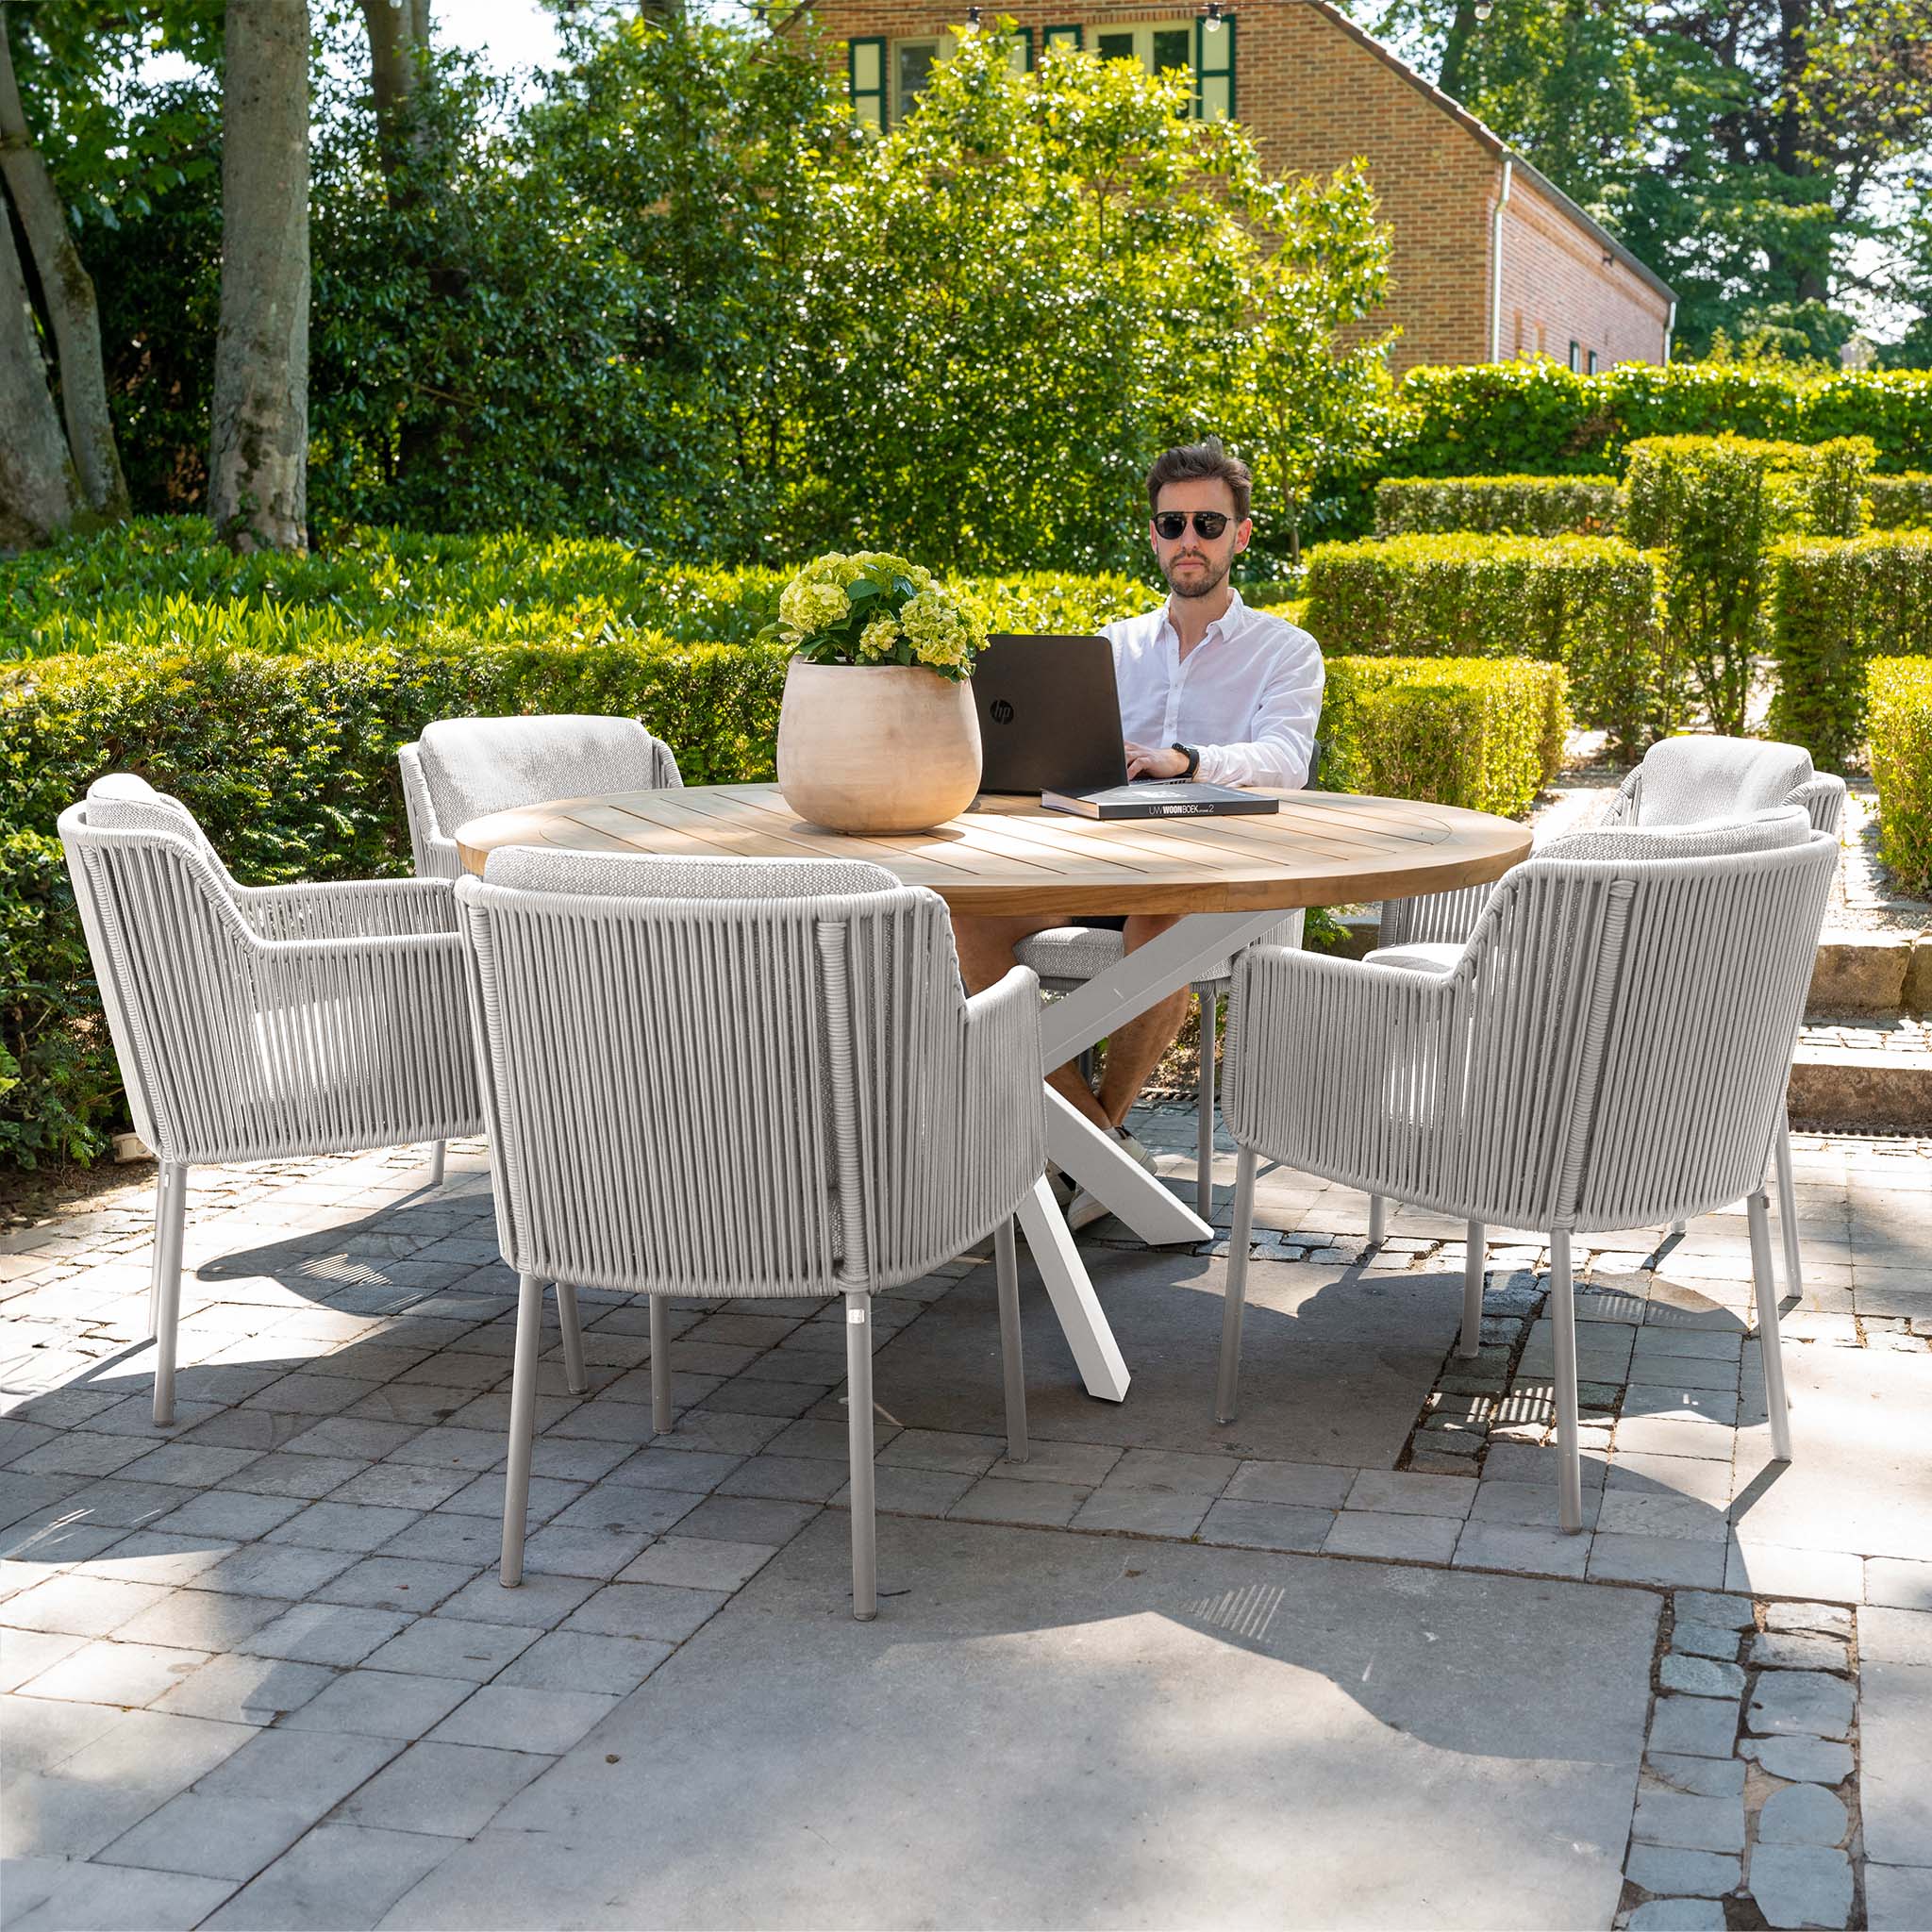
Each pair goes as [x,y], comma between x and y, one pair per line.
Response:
[154,1284]
[436,1166]
[1475,1239]
[1203,1129]
[1563,1317]
[1788,1209]
[865,1579]
[167,1296]
[1776,1405]
[1378,1220]
[573,1339]
[523,1427]
[1225,1386]
[661,1365]
[1007,1266]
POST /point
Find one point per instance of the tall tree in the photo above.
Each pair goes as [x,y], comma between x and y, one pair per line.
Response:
[258,445]
[398,35]
[49,478]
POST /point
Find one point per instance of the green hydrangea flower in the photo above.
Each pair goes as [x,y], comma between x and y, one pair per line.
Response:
[875,608]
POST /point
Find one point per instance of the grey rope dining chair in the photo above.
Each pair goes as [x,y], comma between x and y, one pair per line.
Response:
[464,768]
[1608,1051]
[260,1023]
[878,1121]
[1680,781]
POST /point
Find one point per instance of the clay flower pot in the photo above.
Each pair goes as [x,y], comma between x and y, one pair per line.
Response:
[877,748]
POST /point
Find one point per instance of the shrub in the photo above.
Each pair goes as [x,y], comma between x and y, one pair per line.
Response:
[1484,733]
[1518,506]
[1900,503]
[1838,604]
[1714,505]
[1900,711]
[290,763]
[1582,601]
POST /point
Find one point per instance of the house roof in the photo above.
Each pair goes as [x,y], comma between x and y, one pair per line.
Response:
[1497,146]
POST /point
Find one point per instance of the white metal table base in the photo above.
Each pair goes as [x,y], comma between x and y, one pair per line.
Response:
[1142,979]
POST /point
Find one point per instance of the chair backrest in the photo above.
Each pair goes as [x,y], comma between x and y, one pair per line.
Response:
[1701,778]
[728,1077]
[1634,999]
[473,766]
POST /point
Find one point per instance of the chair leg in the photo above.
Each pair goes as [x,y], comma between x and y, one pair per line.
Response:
[865,1579]
[1474,1238]
[154,1284]
[1788,1210]
[1563,1317]
[1225,1386]
[436,1166]
[1203,1129]
[1378,1220]
[522,1426]
[573,1339]
[1006,1265]
[167,1296]
[661,1365]
[1776,1405]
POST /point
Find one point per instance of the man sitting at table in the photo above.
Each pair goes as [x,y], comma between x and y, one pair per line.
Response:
[1209,689]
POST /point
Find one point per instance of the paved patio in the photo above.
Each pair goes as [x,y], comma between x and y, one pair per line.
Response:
[1330,1665]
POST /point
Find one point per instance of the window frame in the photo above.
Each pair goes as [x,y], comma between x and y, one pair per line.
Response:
[1590,362]
[1202,74]
[881,94]
[1058,37]
[1576,358]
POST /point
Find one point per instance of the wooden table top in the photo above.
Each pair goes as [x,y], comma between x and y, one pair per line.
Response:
[1010,855]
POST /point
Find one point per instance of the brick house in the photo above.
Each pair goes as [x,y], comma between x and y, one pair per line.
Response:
[1490,260]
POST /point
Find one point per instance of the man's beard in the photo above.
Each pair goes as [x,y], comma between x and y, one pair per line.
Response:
[1206,585]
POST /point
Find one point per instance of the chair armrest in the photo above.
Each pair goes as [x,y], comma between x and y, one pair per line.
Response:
[1353,1072]
[349,910]
[1002,1105]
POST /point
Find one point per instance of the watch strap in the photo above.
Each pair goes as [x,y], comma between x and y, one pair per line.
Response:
[1192,757]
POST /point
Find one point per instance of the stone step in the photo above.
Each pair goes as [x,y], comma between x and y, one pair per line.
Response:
[1856,1072]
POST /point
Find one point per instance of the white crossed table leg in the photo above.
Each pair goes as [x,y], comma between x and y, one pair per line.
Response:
[1142,980]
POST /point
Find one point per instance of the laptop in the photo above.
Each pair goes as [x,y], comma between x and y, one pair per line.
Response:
[1049,715]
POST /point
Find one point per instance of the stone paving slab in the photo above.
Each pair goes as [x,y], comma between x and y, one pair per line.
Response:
[1137,1762]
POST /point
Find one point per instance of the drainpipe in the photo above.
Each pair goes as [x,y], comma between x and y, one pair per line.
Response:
[1670,326]
[1497,264]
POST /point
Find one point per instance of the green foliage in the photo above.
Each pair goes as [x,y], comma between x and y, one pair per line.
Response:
[1483,733]
[1840,603]
[1900,503]
[1714,506]
[1509,505]
[1899,712]
[1582,601]
[877,609]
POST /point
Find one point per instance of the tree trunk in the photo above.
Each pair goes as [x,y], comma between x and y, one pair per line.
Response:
[40,494]
[259,447]
[1456,41]
[69,295]
[396,29]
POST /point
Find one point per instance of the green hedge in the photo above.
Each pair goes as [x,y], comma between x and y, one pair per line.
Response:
[1838,604]
[1583,602]
[1515,505]
[1899,707]
[288,761]
[1486,733]
[1900,503]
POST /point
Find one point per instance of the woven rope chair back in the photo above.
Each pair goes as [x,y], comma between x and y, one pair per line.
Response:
[731,1078]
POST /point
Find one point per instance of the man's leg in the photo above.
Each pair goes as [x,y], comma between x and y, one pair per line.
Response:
[1134,1051]
[986,957]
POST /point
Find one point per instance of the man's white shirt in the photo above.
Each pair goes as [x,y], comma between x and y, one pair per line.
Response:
[1247,696]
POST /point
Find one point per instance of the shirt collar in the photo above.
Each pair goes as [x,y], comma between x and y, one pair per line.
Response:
[1223,626]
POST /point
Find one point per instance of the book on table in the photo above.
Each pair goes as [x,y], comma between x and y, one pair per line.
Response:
[1158,798]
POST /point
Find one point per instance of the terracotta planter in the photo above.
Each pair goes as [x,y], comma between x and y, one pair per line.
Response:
[877,748]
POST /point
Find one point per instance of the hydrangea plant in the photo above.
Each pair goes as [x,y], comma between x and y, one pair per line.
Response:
[873,608]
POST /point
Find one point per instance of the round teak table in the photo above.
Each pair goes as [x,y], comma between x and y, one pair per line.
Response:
[1232,878]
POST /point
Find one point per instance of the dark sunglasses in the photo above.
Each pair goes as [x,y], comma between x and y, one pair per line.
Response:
[1210,523]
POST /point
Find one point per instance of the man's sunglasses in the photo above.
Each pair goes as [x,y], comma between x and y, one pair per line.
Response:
[1210,523]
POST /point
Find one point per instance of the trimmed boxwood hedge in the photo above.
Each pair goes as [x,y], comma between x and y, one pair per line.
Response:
[1585,603]
[1514,506]
[288,761]
[1900,503]
[1899,708]
[1838,604]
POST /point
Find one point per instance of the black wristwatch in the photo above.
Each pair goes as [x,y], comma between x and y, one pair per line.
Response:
[1192,757]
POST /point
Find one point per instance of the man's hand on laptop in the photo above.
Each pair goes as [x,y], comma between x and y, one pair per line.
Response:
[1153,761]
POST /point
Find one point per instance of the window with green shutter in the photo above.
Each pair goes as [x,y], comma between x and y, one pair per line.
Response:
[865,80]
[1072,36]
[1214,71]
[1022,55]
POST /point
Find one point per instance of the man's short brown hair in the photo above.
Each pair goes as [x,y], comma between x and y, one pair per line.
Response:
[1192,461]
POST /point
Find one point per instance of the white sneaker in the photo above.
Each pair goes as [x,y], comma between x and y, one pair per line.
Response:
[1086,1210]
[1132,1147]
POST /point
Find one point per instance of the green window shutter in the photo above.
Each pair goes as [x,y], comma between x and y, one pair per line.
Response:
[1074,37]
[1214,71]
[865,80]
[1022,55]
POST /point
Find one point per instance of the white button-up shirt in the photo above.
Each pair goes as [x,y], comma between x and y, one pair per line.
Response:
[1247,696]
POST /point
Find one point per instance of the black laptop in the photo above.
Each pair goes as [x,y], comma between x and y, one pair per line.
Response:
[1049,715]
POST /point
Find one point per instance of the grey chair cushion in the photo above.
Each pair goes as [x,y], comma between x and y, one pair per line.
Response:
[1760,831]
[474,766]
[1074,953]
[1424,955]
[627,876]
[1686,779]
[124,802]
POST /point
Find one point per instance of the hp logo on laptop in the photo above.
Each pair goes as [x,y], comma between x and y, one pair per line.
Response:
[1002,712]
